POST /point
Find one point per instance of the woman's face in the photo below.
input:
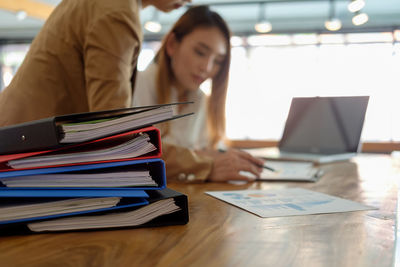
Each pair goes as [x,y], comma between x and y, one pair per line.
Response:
[197,57]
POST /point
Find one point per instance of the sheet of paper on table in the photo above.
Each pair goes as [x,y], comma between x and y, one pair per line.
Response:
[287,202]
[289,171]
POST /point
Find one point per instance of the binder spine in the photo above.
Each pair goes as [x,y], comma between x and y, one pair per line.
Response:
[155,139]
[157,171]
[29,136]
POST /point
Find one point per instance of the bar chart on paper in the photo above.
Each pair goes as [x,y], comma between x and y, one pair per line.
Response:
[287,202]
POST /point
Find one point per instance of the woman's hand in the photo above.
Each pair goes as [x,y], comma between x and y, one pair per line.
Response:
[228,164]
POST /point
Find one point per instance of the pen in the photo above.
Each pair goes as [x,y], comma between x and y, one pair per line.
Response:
[268,168]
[261,166]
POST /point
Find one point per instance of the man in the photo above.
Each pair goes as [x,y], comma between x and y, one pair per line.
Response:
[81,60]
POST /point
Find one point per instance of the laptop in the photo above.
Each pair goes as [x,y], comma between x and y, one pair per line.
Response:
[321,130]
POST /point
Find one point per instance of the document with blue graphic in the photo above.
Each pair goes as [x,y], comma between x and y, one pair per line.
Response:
[287,202]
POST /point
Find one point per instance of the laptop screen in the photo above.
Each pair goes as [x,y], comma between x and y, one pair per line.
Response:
[324,125]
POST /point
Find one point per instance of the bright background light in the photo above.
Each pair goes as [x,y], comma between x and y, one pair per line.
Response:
[263,27]
[268,70]
[360,19]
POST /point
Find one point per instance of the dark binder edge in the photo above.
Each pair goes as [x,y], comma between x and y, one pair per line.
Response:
[45,133]
[29,136]
[180,217]
[78,117]
[137,128]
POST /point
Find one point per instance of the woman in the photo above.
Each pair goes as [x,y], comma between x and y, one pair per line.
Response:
[197,48]
[82,60]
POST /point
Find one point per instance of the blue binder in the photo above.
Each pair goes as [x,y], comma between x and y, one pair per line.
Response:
[155,166]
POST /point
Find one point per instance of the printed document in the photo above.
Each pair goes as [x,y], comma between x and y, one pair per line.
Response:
[287,202]
[289,171]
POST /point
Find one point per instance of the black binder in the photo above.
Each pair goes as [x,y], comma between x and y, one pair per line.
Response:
[179,217]
[46,133]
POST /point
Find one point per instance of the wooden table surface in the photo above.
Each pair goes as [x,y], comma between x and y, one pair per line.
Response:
[219,234]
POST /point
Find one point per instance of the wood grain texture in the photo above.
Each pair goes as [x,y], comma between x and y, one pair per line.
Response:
[219,234]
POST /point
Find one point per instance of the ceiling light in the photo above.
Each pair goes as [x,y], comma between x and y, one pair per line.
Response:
[333,23]
[153,25]
[360,19]
[21,15]
[263,25]
[355,5]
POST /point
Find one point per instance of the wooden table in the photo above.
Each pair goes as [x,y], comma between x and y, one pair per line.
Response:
[219,234]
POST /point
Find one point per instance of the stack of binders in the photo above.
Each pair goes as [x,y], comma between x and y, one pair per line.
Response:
[87,171]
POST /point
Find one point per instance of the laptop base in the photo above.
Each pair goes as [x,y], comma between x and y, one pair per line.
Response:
[273,153]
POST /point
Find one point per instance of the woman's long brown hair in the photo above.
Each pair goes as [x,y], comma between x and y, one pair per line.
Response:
[198,17]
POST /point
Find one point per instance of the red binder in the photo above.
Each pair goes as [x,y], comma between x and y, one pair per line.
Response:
[152,132]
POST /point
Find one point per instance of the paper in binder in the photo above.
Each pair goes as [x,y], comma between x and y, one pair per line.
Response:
[166,207]
[85,179]
[54,132]
[137,144]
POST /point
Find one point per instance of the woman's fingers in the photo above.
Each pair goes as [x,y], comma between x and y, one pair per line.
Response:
[227,166]
[250,158]
[244,165]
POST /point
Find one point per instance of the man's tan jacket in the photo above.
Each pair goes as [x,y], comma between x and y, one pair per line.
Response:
[82,60]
